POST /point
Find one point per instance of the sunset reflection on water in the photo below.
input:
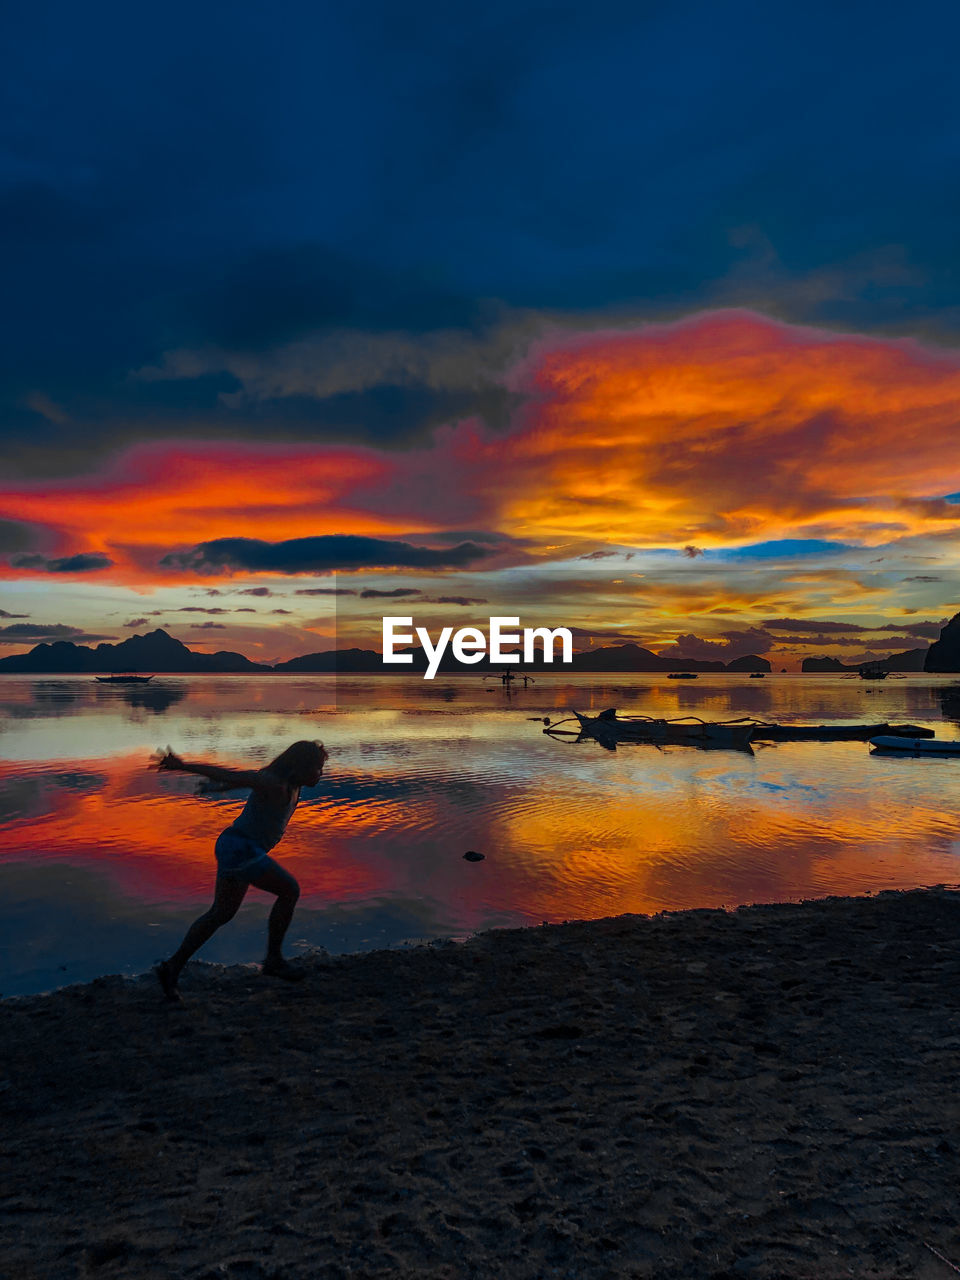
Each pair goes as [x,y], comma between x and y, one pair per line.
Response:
[102,860]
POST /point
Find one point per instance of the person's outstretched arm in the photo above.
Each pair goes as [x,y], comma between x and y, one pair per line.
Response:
[255,779]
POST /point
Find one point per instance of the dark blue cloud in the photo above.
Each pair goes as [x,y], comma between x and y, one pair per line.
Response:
[259,300]
[812,624]
[825,631]
[384,413]
[325,591]
[84,562]
[240,179]
[919,630]
[25,632]
[465,601]
[370,593]
[325,554]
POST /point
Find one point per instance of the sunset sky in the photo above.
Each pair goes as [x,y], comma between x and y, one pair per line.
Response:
[636,319]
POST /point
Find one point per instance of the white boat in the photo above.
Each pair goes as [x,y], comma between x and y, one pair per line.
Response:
[917,746]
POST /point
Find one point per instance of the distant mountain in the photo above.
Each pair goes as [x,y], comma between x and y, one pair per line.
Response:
[750,662]
[911,660]
[155,652]
[161,653]
[336,660]
[944,653]
[624,658]
[631,657]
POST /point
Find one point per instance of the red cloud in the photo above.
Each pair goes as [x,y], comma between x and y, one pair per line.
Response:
[718,430]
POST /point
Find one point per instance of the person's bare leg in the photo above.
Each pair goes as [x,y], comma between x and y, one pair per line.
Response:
[277,881]
[228,895]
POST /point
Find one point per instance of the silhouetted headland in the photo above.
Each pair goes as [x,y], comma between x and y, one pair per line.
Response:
[159,652]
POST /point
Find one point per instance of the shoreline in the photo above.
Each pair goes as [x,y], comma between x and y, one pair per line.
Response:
[203,976]
[765,1091]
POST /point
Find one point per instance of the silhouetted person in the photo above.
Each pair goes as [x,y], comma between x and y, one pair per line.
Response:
[243,852]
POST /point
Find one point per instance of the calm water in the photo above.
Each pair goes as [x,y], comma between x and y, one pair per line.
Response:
[103,862]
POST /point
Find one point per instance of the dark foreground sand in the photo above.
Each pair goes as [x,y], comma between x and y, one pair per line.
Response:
[769,1092]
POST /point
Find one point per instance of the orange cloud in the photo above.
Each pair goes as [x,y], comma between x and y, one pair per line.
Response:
[720,430]
[730,428]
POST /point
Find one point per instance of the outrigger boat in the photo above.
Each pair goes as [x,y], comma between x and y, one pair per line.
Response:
[608,728]
[763,732]
[872,672]
[681,675]
[124,679]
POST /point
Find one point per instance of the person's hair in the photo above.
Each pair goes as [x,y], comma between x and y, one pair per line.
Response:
[298,757]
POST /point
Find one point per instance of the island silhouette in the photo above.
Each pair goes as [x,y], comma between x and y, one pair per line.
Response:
[159,652]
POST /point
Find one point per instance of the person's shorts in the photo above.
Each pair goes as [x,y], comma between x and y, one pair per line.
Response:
[237,855]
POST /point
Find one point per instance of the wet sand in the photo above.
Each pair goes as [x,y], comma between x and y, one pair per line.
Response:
[766,1092]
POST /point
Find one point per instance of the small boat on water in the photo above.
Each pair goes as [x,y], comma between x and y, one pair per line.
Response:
[887,743]
[757,675]
[831,732]
[681,675]
[123,679]
[608,727]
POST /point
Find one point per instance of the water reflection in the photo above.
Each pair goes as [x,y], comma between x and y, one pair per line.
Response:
[950,702]
[421,772]
[157,698]
[74,695]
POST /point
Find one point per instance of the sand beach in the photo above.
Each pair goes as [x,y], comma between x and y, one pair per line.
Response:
[763,1092]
